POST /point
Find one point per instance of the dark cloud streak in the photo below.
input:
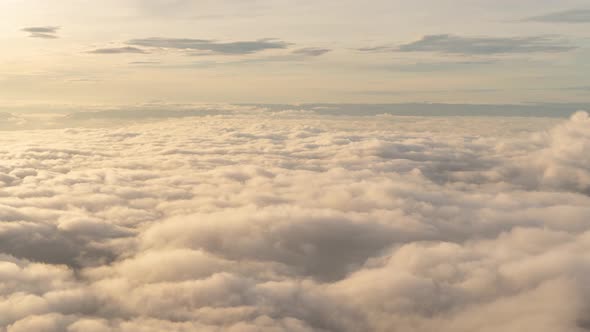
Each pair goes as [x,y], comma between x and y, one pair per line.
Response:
[312,51]
[44,32]
[119,50]
[211,46]
[461,45]
[567,16]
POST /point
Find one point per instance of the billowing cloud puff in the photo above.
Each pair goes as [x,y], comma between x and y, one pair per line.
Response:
[567,159]
[297,221]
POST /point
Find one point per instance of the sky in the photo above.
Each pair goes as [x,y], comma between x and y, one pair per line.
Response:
[294,166]
[83,52]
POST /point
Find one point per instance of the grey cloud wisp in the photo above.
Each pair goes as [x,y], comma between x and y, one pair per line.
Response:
[44,32]
[465,45]
[119,50]
[211,46]
[568,16]
[312,51]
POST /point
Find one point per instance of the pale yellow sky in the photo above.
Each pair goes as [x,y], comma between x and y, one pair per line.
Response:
[279,51]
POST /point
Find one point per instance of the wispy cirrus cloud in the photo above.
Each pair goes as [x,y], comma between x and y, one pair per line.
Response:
[479,45]
[312,51]
[45,32]
[433,66]
[566,16]
[119,50]
[211,46]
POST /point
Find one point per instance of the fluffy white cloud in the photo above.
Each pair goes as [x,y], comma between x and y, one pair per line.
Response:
[282,221]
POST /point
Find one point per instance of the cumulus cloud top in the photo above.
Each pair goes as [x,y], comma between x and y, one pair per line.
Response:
[291,221]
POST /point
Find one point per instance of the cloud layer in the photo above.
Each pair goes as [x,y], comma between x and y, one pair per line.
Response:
[293,221]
